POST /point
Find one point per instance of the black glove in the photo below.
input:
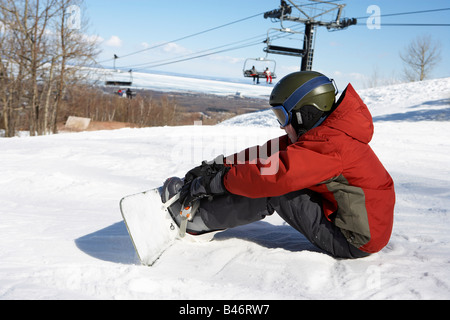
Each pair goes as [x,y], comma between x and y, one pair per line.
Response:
[205,169]
[204,186]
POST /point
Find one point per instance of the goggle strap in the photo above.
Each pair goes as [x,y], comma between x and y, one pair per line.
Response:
[301,92]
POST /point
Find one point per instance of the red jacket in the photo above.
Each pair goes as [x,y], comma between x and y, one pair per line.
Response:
[334,160]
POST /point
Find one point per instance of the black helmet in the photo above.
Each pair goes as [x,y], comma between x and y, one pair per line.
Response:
[302,99]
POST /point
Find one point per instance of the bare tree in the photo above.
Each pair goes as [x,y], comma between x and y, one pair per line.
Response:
[420,57]
[41,52]
[74,49]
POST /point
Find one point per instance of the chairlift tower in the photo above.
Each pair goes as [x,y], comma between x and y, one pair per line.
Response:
[312,15]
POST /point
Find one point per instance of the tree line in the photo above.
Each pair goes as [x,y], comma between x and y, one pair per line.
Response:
[43,48]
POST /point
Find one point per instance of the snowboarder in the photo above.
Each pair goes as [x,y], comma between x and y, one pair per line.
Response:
[328,183]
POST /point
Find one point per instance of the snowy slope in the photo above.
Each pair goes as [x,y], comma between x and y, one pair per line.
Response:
[61,234]
[429,100]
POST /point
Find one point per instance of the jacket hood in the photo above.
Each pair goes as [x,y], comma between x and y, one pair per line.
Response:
[352,117]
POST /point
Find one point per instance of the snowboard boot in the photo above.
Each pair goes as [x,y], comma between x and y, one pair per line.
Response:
[172,187]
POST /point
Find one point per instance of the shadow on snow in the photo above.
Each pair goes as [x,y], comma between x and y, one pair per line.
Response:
[421,115]
[113,243]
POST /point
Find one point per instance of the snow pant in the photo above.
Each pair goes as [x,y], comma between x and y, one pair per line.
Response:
[301,209]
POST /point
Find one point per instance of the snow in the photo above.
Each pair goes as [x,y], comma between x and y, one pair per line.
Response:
[62,236]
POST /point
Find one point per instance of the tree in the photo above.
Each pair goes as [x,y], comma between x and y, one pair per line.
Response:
[420,57]
[74,51]
[42,51]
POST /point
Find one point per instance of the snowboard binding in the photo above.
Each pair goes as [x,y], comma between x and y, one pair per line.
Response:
[170,195]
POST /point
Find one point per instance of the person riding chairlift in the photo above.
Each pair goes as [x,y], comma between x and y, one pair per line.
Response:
[268,76]
[255,75]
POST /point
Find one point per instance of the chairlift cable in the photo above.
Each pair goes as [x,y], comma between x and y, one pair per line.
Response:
[190,54]
[186,37]
[404,13]
[261,39]
[199,56]
[413,24]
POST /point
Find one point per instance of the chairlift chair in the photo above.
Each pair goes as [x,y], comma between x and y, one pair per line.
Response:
[119,78]
[276,49]
[260,65]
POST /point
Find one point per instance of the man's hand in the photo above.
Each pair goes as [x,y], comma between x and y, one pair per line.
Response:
[205,169]
[208,184]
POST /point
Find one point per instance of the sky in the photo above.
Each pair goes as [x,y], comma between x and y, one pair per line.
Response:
[360,54]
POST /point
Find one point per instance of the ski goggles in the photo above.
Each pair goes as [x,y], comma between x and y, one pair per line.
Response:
[283,112]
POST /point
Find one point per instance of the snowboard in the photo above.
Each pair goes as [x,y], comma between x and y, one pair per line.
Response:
[149,224]
[151,227]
